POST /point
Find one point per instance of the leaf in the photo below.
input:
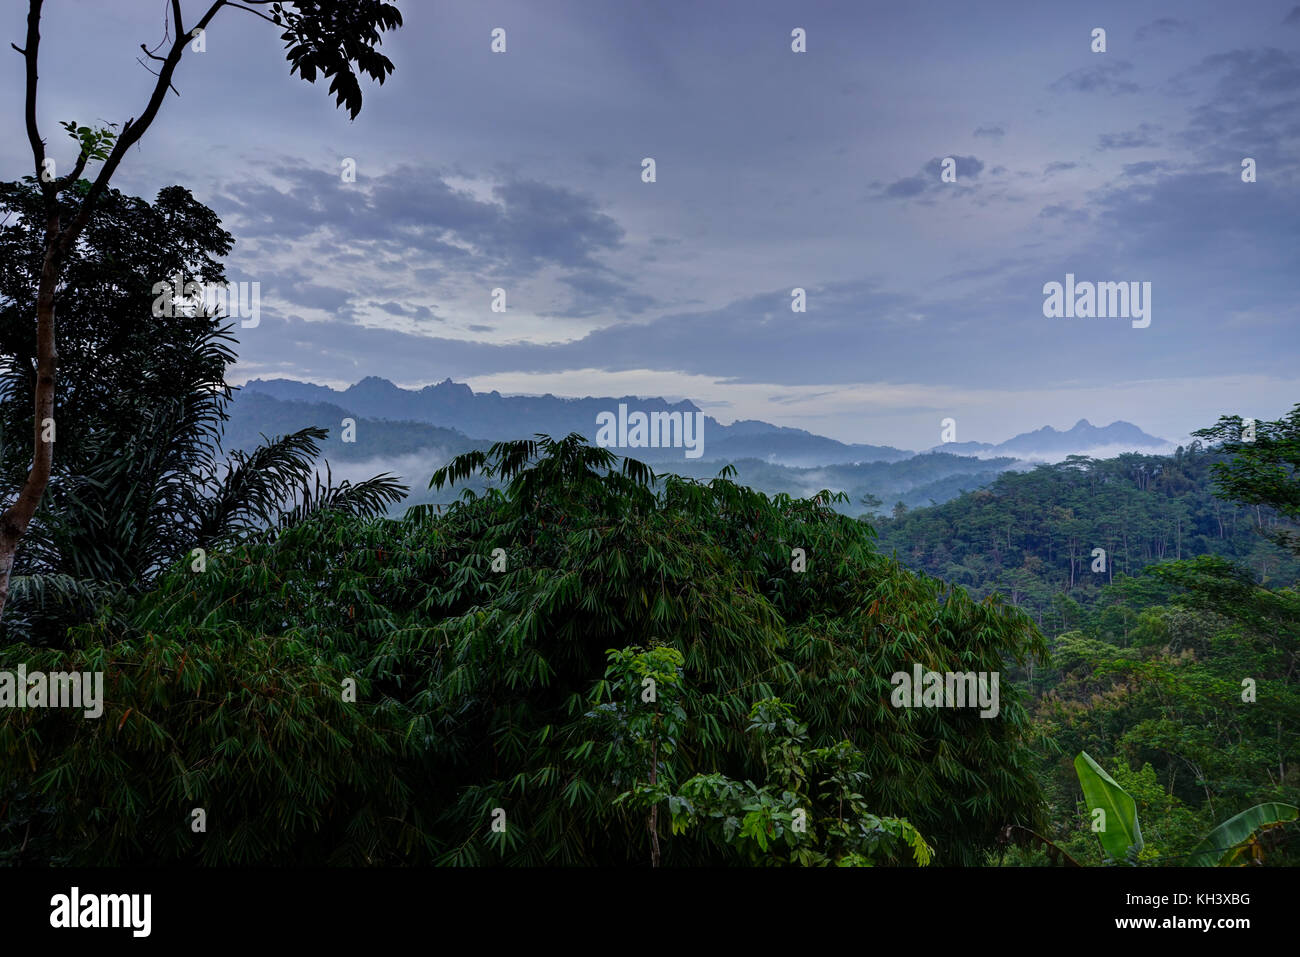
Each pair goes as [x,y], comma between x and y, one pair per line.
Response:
[1121,831]
[1220,845]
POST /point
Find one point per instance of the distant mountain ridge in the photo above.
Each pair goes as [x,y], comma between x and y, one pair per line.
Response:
[1047,441]
[257,415]
[491,416]
[413,432]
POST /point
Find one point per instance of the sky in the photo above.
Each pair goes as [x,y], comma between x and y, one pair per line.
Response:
[820,170]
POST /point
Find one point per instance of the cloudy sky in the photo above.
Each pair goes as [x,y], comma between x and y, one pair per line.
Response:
[820,170]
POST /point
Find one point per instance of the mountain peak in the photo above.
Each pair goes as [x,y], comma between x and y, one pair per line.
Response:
[373,381]
[1047,442]
[448,387]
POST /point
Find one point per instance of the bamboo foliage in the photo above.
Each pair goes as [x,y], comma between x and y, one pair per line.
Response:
[469,741]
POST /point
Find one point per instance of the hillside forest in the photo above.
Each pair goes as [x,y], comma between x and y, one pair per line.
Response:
[577,660]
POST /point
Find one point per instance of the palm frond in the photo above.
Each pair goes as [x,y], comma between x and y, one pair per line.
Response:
[257,484]
[365,499]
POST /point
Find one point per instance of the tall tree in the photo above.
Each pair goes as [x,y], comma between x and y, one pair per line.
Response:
[336,38]
[139,482]
[1264,468]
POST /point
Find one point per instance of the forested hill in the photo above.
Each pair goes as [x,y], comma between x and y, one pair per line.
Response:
[1031,535]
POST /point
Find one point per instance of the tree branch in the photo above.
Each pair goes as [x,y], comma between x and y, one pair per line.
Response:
[63,182]
[172,86]
[33,133]
[133,129]
[256,13]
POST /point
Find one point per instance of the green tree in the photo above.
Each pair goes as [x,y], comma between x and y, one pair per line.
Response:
[811,810]
[482,662]
[645,719]
[140,482]
[870,502]
[1264,468]
[336,38]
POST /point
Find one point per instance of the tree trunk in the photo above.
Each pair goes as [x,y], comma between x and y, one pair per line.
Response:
[16,518]
[654,808]
[59,242]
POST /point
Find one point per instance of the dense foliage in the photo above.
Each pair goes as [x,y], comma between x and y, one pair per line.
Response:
[1184,677]
[139,480]
[1030,536]
[1187,680]
[477,688]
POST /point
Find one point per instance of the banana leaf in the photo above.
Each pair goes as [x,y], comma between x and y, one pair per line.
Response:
[1120,834]
[1223,844]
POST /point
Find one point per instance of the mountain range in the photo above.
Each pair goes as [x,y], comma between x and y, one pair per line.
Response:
[491,415]
[412,432]
[1051,445]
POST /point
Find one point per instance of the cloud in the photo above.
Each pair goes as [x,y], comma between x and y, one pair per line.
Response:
[992,132]
[296,288]
[526,225]
[399,234]
[1293,18]
[1129,139]
[1254,106]
[911,186]
[1245,72]
[1058,166]
[928,179]
[542,222]
[968,167]
[1183,215]
[1064,213]
[1163,27]
[597,294]
[1144,168]
[409,312]
[1103,78]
